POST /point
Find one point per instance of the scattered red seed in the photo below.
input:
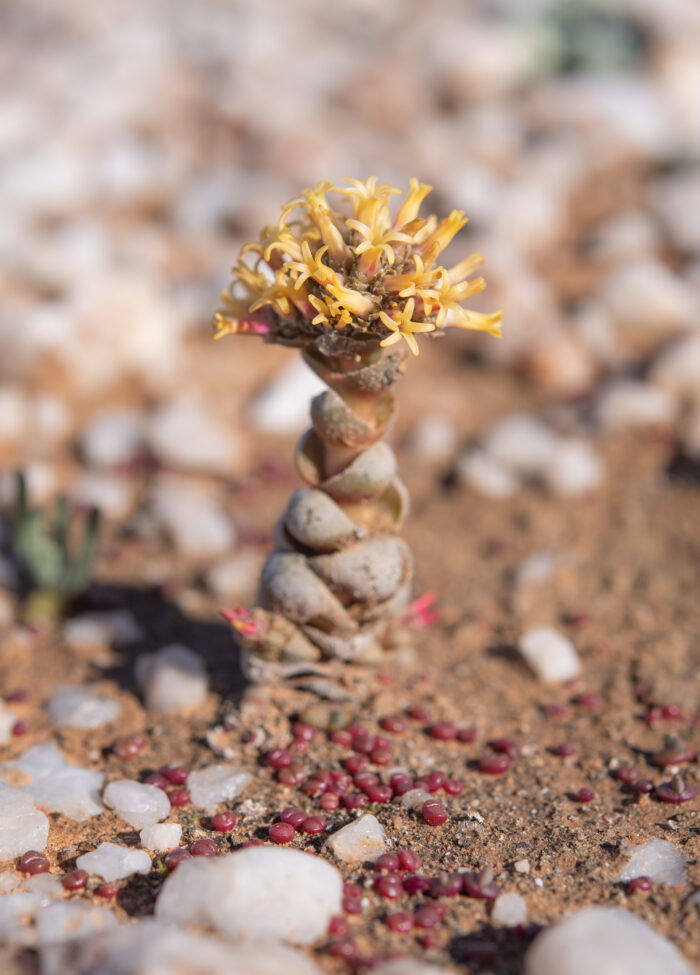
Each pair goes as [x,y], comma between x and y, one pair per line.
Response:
[365,780]
[293,816]
[453,787]
[204,848]
[75,880]
[281,833]
[565,749]
[401,922]
[340,782]
[356,763]
[256,841]
[338,926]
[345,949]
[299,744]
[390,862]
[480,885]
[443,730]
[640,883]
[653,716]
[291,775]
[395,724]
[671,712]
[434,813]
[33,862]
[430,941]
[643,786]
[446,885]
[155,778]
[418,713]
[408,860]
[401,783]
[466,735]
[434,781]
[355,800]
[427,916]
[174,858]
[556,710]
[416,884]
[175,774]
[341,737]
[352,904]
[20,728]
[381,756]
[130,746]
[674,752]
[507,746]
[677,790]
[496,763]
[585,795]
[224,822]
[18,696]
[315,785]
[313,825]
[389,885]
[329,801]
[379,793]
[108,890]
[179,797]
[627,774]
[589,701]
[364,744]
[279,758]
[303,731]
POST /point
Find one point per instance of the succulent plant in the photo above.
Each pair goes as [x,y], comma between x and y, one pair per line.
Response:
[54,555]
[342,282]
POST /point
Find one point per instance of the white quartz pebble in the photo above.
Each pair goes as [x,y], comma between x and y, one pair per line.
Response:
[550,654]
[22,826]
[283,406]
[628,404]
[173,679]
[237,576]
[509,910]
[59,922]
[160,837]
[364,839]
[434,438]
[184,434]
[414,799]
[260,893]
[677,369]
[82,707]
[658,859]
[192,519]
[486,475]
[574,469]
[216,783]
[113,438]
[113,862]
[604,940]
[648,298]
[55,784]
[522,442]
[139,803]
[8,719]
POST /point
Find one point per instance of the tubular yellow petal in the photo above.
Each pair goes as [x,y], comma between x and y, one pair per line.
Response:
[412,204]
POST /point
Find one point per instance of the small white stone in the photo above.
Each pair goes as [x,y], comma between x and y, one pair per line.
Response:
[522,442]
[677,369]
[359,841]
[51,419]
[604,940]
[414,799]
[22,826]
[535,569]
[56,785]
[8,882]
[658,859]
[647,296]
[626,404]
[139,803]
[237,577]
[173,679]
[283,406]
[435,438]
[625,236]
[112,862]
[259,893]
[216,783]
[161,837]
[509,909]
[486,475]
[117,626]
[677,202]
[14,414]
[574,469]
[185,434]
[192,519]
[8,719]
[111,494]
[550,654]
[45,885]
[113,438]
[61,922]
[522,866]
[82,707]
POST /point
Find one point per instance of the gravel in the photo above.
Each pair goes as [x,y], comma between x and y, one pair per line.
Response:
[509,910]
[550,655]
[161,837]
[173,679]
[364,839]
[22,826]
[82,707]
[216,783]
[658,859]
[138,803]
[56,785]
[113,862]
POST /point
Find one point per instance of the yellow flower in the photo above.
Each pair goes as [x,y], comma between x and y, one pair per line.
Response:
[400,325]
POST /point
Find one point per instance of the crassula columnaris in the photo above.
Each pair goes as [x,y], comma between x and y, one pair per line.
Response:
[344,281]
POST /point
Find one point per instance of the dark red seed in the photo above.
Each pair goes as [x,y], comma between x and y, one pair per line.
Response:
[329,801]
[446,885]
[293,816]
[174,858]
[365,780]
[427,916]
[379,793]
[453,787]
[355,800]
[408,860]
[430,941]
[179,797]
[175,774]
[466,735]
[556,710]
[415,884]
[389,862]
[33,862]
[585,795]
[130,746]
[299,744]
[674,752]
[434,781]
[565,749]
[155,778]
[204,848]
[643,786]
[388,885]
[346,949]
[303,731]
[18,696]
[281,833]
[381,742]
[313,825]
[224,822]
[20,728]
[496,763]
[395,724]
[340,782]
[434,813]
[677,790]
[401,783]
[341,737]
[364,744]
[401,922]
[356,763]
[507,746]
[627,774]
[652,716]
[418,713]
[256,841]
[291,775]
[338,926]
[352,905]
[108,890]
[640,883]
[589,701]
[480,885]
[315,785]
[279,758]
[381,756]
[443,731]
[671,712]
[352,890]
[75,880]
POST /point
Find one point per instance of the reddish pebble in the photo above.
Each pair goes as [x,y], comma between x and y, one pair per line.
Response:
[677,790]
[556,710]
[401,783]
[329,801]
[496,763]
[389,862]
[279,758]
[671,712]
[155,778]
[453,787]
[356,763]
[418,713]
[345,949]
[174,858]
[179,797]
[204,848]
[395,724]
[108,890]
[480,885]
[401,922]
[408,860]
[434,781]
[643,786]
[507,746]
[434,813]
[627,774]
[18,696]
[291,775]
[415,884]
[33,862]
[565,749]
[443,731]
[589,701]
[341,737]
[381,756]
[20,728]
[281,833]
[130,746]
[585,795]
[430,941]
[379,793]
[365,780]
[338,926]
[224,822]
[352,905]
[427,916]
[355,800]
[256,841]
[466,735]
[303,731]
[653,716]
[446,885]
[75,880]
[313,825]
[389,885]
[674,752]
[293,816]
[175,774]
[640,883]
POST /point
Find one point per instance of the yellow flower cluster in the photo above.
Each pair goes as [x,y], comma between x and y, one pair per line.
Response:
[360,273]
